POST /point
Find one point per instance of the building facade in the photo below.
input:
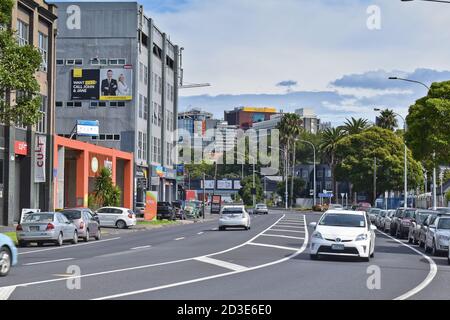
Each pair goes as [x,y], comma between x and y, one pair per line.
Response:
[115,66]
[26,169]
[246,117]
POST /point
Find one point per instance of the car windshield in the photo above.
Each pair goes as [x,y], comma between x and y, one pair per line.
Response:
[232,211]
[72,214]
[41,217]
[261,206]
[374,211]
[443,210]
[408,214]
[444,224]
[343,220]
[423,217]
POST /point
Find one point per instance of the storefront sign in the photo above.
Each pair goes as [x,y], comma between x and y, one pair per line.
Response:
[40,158]
[88,128]
[155,181]
[21,148]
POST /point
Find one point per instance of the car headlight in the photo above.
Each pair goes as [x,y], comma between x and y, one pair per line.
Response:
[317,235]
[361,237]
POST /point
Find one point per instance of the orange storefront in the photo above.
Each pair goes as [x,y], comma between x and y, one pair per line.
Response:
[77,164]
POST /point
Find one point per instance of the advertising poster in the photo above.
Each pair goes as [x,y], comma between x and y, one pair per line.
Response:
[209,184]
[40,158]
[109,84]
[225,184]
[116,84]
[85,84]
[216,204]
[151,205]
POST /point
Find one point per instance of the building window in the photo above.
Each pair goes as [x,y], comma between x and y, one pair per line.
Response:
[155,114]
[58,104]
[159,85]
[102,137]
[94,104]
[140,145]
[23,33]
[141,72]
[117,137]
[319,173]
[99,62]
[43,49]
[155,81]
[103,62]
[41,125]
[159,115]
[159,150]
[145,75]
[116,62]
[74,62]
[102,104]
[145,108]
[121,104]
[144,148]
[69,104]
[109,137]
[60,62]
[113,104]
[141,102]
[78,104]
[155,150]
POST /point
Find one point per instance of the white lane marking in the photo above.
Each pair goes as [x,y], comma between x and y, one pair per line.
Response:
[45,262]
[178,239]
[142,247]
[289,226]
[285,230]
[200,233]
[67,247]
[177,284]
[6,292]
[281,236]
[221,263]
[144,266]
[272,246]
[292,221]
[428,279]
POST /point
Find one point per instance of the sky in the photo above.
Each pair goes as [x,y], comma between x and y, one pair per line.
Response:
[319,54]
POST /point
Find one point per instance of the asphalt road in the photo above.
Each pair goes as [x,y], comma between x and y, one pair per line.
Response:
[195,261]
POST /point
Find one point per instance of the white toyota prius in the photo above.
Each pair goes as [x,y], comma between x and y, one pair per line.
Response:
[343,233]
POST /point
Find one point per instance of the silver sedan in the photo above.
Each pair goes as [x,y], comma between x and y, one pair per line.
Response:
[234,217]
[46,227]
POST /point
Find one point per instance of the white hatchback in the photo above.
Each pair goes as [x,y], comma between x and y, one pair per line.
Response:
[234,217]
[343,233]
[116,217]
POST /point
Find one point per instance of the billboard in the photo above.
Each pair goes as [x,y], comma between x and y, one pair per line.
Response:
[87,128]
[237,185]
[40,158]
[225,184]
[199,129]
[209,184]
[102,84]
[151,202]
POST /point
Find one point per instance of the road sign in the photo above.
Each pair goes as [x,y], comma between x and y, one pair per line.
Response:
[325,195]
[311,192]
[342,195]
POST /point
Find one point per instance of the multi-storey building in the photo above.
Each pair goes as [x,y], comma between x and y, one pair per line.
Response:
[246,117]
[115,66]
[26,168]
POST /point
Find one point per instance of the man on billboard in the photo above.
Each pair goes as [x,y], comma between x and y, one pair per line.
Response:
[109,85]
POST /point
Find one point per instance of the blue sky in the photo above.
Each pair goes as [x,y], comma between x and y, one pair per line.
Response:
[301,53]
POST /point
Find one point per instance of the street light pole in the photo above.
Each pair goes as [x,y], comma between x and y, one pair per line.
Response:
[434,152]
[284,150]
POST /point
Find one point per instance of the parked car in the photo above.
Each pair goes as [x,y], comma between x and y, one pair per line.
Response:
[438,235]
[261,208]
[379,218]
[345,233]
[139,209]
[88,224]
[121,218]
[404,222]
[45,227]
[8,255]
[443,209]
[424,228]
[234,217]
[335,206]
[419,218]
[165,211]
[179,210]
[388,220]
[396,221]
[373,214]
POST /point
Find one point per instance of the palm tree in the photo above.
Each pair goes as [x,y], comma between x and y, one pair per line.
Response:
[387,120]
[355,126]
[330,139]
[291,127]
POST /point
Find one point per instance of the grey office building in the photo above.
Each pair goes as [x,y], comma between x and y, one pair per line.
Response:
[115,66]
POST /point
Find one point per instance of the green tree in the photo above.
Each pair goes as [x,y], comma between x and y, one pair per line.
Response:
[355,126]
[246,190]
[105,192]
[299,187]
[429,126]
[388,120]
[195,171]
[330,141]
[356,154]
[18,65]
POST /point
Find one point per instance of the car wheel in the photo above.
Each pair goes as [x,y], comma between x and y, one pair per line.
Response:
[40,243]
[98,236]
[448,260]
[5,261]
[313,256]
[121,224]
[59,241]
[75,238]
[434,251]
[86,239]
[221,228]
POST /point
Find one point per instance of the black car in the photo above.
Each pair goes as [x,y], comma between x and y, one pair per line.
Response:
[166,211]
[179,211]
[139,209]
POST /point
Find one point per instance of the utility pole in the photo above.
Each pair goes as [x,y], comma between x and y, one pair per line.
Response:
[434,182]
[204,195]
[375,182]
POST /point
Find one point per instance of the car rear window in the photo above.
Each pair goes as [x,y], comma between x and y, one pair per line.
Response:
[41,217]
[444,224]
[72,214]
[232,211]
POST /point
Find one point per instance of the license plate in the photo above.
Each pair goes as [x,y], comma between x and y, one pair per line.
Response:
[34,228]
[338,247]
